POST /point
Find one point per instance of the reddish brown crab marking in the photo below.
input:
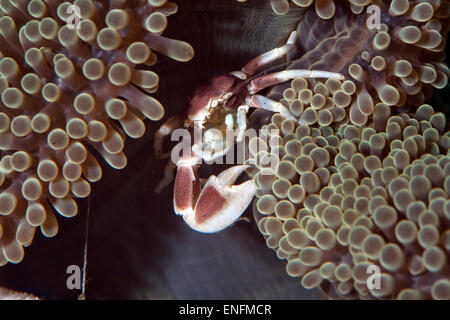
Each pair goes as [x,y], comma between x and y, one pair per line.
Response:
[187,182]
[209,204]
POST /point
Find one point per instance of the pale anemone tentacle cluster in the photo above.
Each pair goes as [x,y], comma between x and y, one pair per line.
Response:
[360,180]
[341,200]
[398,64]
[280,7]
[326,9]
[63,89]
[322,102]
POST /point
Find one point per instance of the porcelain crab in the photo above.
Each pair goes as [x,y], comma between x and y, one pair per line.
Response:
[223,105]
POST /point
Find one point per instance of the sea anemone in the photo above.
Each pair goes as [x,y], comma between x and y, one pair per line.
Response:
[67,86]
[342,200]
[362,181]
[323,102]
[397,61]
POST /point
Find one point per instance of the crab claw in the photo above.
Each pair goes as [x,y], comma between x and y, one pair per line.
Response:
[187,186]
[219,204]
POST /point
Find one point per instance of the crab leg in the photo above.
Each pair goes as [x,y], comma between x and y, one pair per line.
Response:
[167,128]
[241,121]
[219,204]
[272,79]
[167,178]
[270,56]
[262,102]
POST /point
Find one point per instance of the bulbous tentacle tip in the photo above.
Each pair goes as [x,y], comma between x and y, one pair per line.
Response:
[280,7]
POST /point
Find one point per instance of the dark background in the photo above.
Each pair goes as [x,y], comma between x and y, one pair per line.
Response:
[137,247]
